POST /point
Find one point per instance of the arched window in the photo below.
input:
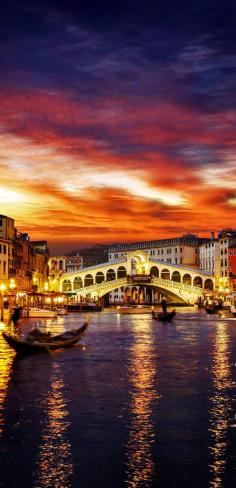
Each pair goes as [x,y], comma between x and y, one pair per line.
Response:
[111,275]
[187,280]
[88,280]
[121,272]
[176,277]
[154,271]
[99,278]
[165,274]
[60,265]
[77,283]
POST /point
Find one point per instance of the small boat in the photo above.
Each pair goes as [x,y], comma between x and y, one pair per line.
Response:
[35,312]
[45,342]
[165,317]
[61,311]
[212,309]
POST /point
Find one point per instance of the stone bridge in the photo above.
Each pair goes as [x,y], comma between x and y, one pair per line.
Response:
[183,284]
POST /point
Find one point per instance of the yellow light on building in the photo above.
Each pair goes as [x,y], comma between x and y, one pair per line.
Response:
[46,286]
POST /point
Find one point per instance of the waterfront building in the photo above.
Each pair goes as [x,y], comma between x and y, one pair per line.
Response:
[227,240]
[21,270]
[92,255]
[40,266]
[62,264]
[6,237]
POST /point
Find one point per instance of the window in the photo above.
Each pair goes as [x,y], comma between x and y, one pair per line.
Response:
[4,249]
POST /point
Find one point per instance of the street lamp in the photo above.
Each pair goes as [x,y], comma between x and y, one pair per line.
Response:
[2,290]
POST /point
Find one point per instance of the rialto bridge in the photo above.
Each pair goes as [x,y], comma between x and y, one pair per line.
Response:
[177,283]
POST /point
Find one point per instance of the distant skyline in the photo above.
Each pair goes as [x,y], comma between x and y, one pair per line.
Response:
[117,119]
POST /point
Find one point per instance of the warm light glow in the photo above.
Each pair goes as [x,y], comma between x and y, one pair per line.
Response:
[221,406]
[142,375]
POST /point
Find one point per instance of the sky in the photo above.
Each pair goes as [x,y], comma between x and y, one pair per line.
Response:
[117,119]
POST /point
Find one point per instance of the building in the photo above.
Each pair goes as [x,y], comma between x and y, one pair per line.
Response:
[209,257]
[40,266]
[7,233]
[92,255]
[227,240]
[179,250]
[21,270]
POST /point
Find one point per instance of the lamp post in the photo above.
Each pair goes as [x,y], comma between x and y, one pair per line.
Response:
[2,290]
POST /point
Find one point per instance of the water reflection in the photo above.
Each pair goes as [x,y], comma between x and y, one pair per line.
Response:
[55,460]
[221,406]
[6,360]
[142,375]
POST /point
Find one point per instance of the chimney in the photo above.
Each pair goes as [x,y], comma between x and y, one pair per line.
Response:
[212,236]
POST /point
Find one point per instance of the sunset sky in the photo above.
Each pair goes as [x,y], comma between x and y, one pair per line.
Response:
[117,119]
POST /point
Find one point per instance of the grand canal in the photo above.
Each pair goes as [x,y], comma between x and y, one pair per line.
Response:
[136,404]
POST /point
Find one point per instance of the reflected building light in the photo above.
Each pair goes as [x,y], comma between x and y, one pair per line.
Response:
[55,467]
[6,359]
[220,406]
[142,375]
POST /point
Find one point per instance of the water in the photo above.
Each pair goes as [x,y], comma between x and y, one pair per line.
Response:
[136,404]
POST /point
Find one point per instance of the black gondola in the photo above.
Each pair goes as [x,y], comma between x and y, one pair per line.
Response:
[26,346]
[211,309]
[165,317]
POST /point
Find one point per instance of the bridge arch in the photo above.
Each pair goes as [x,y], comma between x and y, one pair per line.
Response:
[208,285]
[197,281]
[154,271]
[66,286]
[187,280]
[111,275]
[99,278]
[176,277]
[121,272]
[78,283]
[165,274]
[88,280]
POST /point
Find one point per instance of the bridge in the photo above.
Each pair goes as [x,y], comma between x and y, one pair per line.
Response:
[183,284]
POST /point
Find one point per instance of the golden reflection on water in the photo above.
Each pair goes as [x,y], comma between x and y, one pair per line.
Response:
[142,375]
[220,405]
[6,359]
[55,459]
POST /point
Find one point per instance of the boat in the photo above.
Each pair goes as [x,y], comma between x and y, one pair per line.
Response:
[41,312]
[61,311]
[212,309]
[39,342]
[165,317]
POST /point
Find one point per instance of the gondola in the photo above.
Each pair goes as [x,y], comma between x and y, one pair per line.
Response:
[50,343]
[165,317]
[211,310]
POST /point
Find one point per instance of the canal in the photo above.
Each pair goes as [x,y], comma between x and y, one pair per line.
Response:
[136,404]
